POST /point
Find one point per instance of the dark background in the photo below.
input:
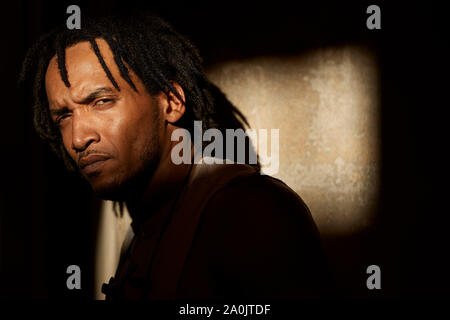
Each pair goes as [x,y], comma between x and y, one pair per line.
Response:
[48,215]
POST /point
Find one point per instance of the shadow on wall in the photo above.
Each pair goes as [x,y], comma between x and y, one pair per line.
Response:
[326,106]
[330,104]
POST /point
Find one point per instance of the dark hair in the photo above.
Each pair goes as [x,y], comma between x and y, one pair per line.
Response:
[148,46]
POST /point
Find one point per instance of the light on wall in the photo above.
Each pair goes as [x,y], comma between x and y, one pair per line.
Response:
[326,106]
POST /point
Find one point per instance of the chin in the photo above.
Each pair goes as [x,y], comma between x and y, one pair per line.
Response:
[108,192]
[119,185]
[107,187]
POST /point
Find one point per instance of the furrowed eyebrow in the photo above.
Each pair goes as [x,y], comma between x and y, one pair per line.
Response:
[60,111]
[95,94]
[89,98]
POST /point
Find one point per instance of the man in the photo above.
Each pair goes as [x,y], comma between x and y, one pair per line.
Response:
[107,99]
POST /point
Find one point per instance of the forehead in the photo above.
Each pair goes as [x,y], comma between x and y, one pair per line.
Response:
[84,71]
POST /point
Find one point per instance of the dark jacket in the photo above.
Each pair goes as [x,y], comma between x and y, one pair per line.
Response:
[233,233]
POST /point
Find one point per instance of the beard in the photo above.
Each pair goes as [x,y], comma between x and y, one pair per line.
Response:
[131,186]
[129,183]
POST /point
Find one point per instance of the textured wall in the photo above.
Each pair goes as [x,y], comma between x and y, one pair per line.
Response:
[325,104]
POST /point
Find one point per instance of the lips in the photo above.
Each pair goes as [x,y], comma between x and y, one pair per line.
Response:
[92,162]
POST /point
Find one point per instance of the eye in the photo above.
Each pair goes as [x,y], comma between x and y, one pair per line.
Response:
[102,101]
[60,118]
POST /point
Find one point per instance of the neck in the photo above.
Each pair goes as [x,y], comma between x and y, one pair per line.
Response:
[163,188]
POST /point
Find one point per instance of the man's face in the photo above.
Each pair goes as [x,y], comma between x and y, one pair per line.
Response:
[112,135]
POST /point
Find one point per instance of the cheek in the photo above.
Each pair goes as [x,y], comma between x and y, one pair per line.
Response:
[122,134]
[132,140]
[137,123]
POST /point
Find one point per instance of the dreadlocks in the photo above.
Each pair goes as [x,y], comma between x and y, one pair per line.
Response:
[148,46]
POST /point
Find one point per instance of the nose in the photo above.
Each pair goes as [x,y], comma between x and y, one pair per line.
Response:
[84,131]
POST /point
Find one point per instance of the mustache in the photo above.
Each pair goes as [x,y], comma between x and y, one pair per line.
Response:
[85,153]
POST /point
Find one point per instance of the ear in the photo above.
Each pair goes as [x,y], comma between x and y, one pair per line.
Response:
[172,107]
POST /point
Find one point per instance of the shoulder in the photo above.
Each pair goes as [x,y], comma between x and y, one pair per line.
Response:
[259,239]
[260,199]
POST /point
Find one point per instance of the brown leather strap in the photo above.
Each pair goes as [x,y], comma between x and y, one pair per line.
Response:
[206,180]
